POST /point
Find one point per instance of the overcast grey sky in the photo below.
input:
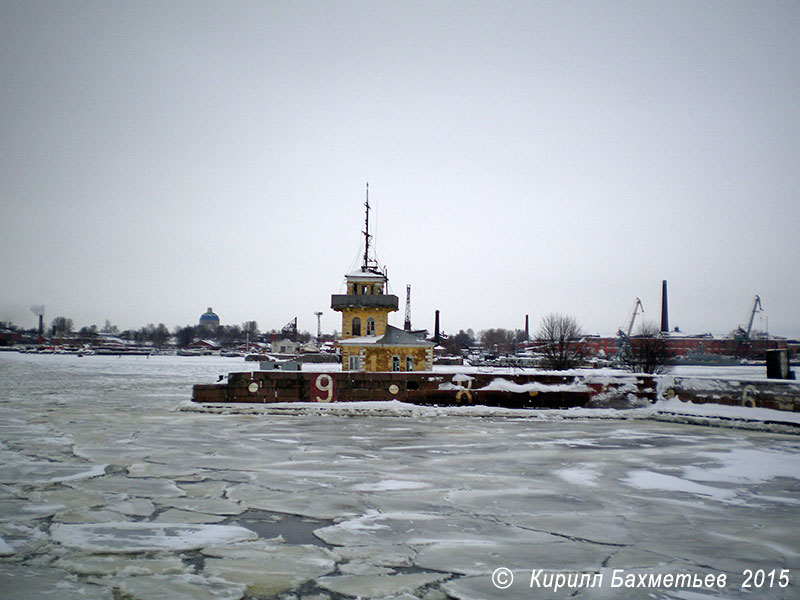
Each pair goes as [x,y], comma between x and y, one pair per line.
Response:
[523,158]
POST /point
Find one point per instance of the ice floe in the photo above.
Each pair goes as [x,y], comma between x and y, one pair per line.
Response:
[111,492]
[180,587]
[267,569]
[143,537]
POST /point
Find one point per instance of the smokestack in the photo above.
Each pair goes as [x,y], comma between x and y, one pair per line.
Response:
[407,323]
[664,311]
[527,330]
[38,310]
[436,329]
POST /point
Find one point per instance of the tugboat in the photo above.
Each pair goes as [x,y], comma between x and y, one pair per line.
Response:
[383,363]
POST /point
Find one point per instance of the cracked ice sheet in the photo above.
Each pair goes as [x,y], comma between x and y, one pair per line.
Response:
[35,583]
[110,564]
[214,506]
[145,488]
[745,465]
[317,505]
[378,586]
[180,587]
[268,568]
[28,472]
[143,537]
[509,470]
[647,480]
[482,557]
[20,537]
[387,529]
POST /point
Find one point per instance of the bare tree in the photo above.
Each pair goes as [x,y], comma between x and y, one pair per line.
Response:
[559,341]
[648,351]
[251,327]
[61,326]
[496,339]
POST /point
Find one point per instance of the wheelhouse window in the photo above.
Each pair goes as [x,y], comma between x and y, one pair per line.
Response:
[395,363]
[370,326]
[409,363]
[356,326]
[355,363]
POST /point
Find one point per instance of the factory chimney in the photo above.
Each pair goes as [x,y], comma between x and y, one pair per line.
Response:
[436,329]
[664,311]
[527,330]
[407,323]
[38,310]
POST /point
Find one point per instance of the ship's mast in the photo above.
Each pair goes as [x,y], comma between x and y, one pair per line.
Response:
[366,232]
[370,264]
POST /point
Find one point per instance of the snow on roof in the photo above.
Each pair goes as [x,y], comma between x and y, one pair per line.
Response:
[392,337]
[361,273]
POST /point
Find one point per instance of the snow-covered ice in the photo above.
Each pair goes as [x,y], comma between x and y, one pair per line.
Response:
[112,485]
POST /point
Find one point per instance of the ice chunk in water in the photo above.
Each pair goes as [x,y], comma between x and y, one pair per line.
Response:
[35,583]
[180,587]
[268,569]
[378,586]
[114,564]
[144,537]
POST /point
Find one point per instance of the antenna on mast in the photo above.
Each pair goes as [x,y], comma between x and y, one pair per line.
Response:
[366,233]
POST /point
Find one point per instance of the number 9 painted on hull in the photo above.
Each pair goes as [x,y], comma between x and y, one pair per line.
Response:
[322,389]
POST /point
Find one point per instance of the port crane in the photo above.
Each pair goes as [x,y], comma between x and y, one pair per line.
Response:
[637,305]
[743,333]
[624,336]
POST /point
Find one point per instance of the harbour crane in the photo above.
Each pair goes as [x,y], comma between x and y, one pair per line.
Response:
[743,333]
[637,305]
[624,336]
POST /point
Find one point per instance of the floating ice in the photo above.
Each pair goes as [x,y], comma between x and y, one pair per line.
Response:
[268,569]
[648,480]
[745,465]
[579,476]
[450,492]
[114,564]
[180,587]
[137,507]
[329,505]
[174,515]
[145,488]
[216,506]
[16,509]
[417,529]
[378,586]
[32,472]
[144,537]
[36,583]
[5,549]
[391,484]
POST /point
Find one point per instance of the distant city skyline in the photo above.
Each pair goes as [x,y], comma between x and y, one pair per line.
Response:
[522,157]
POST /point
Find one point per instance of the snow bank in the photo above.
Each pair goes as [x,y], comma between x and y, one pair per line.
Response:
[504,385]
[734,414]
[672,409]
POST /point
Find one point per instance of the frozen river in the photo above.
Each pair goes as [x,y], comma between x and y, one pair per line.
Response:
[107,491]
